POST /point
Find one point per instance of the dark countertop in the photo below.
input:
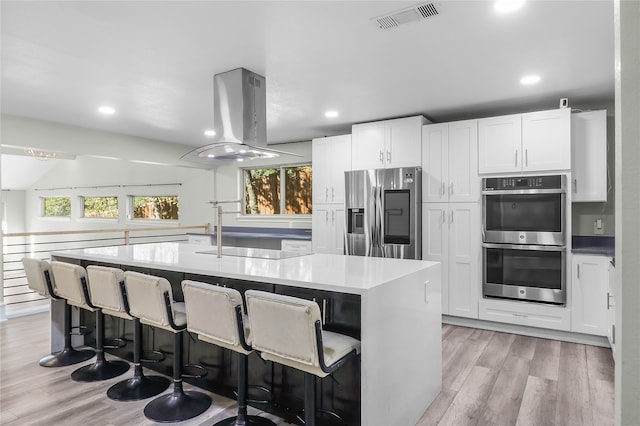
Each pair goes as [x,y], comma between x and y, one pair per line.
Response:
[259,232]
[592,244]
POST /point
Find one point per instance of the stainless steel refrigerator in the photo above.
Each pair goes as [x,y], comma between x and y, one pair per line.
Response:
[384,213]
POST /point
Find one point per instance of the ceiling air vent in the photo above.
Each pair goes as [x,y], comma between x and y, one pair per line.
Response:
[404,16]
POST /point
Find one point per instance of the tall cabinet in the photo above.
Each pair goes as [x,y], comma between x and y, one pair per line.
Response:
[331,157]
[451,212]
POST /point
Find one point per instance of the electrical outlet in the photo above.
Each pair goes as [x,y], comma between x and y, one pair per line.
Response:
[598,227]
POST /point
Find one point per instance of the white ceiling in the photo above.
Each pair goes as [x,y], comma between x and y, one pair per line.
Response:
[154,61]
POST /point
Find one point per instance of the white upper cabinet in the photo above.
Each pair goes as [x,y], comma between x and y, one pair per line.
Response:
[500,144]
[589,155]
[331,158]
[450,162]
[387,144]
[533,142]
[546,140]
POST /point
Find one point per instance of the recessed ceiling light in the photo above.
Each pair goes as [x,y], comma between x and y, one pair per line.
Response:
[211,155]
[507,6]
[331,114]
[530,79]
[209,132]
[106,110]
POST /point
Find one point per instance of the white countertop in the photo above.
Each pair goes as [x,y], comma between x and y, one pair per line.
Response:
[345,274]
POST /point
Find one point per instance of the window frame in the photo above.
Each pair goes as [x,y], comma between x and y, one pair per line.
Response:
[282,186]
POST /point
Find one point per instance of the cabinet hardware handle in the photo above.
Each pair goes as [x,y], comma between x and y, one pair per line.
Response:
[613,334]
[526,157]
[326,216]
[451,188]
[578,265]
[516,158]
[443,189]
[381,156]
[520,315]
[608,299]
[388,156]
[326,193]
[333,193]
[575,186]
[324,311]
[333,216]
[443,217]
[451,216]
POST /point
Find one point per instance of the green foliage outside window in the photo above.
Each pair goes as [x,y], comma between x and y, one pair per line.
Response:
[102,207]
[158,208]
[263,189]
[57,206]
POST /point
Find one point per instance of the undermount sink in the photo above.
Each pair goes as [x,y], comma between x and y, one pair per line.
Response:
[256,253]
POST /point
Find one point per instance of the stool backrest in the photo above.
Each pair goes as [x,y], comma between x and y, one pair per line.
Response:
[283,326]
[211,311]
[36,270]
[104,286]
[146,297]
[69,282]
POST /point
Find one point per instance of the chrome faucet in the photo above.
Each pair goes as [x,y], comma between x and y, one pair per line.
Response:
[220,212]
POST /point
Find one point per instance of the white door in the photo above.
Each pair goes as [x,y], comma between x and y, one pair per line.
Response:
[464,259]
[464,183]
[435,144]
[435,242]
[368,146]
[499,144]
[321,225]
[589,284]
[546,140]
[403,143]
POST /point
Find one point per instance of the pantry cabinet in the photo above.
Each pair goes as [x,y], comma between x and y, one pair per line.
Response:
[387,144]
[589,285]
[328,228]
[533,142]
[449,162]
[589,156]
[451,236]
[331,157]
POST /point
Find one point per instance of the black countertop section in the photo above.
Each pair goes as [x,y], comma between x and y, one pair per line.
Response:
[593,244]
[259,232]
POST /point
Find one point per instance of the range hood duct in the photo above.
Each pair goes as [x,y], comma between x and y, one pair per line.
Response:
[239,120]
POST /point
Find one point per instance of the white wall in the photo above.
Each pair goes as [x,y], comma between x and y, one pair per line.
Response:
[14,211]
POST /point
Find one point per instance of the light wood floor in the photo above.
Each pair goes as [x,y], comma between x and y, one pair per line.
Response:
[489,378]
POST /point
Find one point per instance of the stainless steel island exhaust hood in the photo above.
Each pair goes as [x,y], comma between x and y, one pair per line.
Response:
[239,120]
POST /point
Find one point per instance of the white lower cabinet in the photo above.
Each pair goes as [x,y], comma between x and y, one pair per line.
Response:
[451,236]
[523,313]
[328,228]
[589,285]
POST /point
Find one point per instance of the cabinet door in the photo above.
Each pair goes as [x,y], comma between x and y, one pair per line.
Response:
[464,259]
[368,146]
[435,243]
[322,232]
[435,144]
[331,158]
[589,155]
[403,141]
[337,229]
[611,309]
[499,144]
[464,183]
[589,294]
[546,140]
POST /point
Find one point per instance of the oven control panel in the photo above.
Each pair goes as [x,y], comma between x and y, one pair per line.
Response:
[518,183]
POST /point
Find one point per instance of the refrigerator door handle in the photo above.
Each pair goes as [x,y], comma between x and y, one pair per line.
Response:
[379,221]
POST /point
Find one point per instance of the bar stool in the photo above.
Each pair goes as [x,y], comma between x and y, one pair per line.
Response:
[71,283]
[151,300]
[40,280]
[107,290]
[288,330]
[228,329]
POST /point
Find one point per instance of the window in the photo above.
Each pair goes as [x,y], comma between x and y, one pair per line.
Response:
[155,207]
[101,207]
[263,189]
[57,207]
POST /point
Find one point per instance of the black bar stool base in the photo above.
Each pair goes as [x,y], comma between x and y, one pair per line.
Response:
[100,370]
[137,388]
[68,356]
[177,407]
[249,420]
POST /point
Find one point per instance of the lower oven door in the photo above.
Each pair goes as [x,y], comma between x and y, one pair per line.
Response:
[525,272]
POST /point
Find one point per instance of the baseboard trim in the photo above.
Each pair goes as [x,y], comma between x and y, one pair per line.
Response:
[565,336]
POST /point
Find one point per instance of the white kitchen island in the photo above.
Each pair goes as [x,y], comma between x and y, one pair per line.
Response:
[400,311]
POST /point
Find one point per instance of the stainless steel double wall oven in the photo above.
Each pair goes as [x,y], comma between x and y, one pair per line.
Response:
[524,238]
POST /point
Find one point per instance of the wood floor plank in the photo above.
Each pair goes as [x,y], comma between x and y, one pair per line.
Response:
[438,407]
[601,393]
[573,403]
[538,406]
[523,347]
[546,359]
[469,402]
[599,363]
[497,350]
[503,404]
[456,370]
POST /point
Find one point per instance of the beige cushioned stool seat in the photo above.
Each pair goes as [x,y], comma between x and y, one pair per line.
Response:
[68,278]
[35,270]
[105,290]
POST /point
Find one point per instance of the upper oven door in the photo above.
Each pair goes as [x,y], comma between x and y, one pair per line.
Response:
[524,216]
